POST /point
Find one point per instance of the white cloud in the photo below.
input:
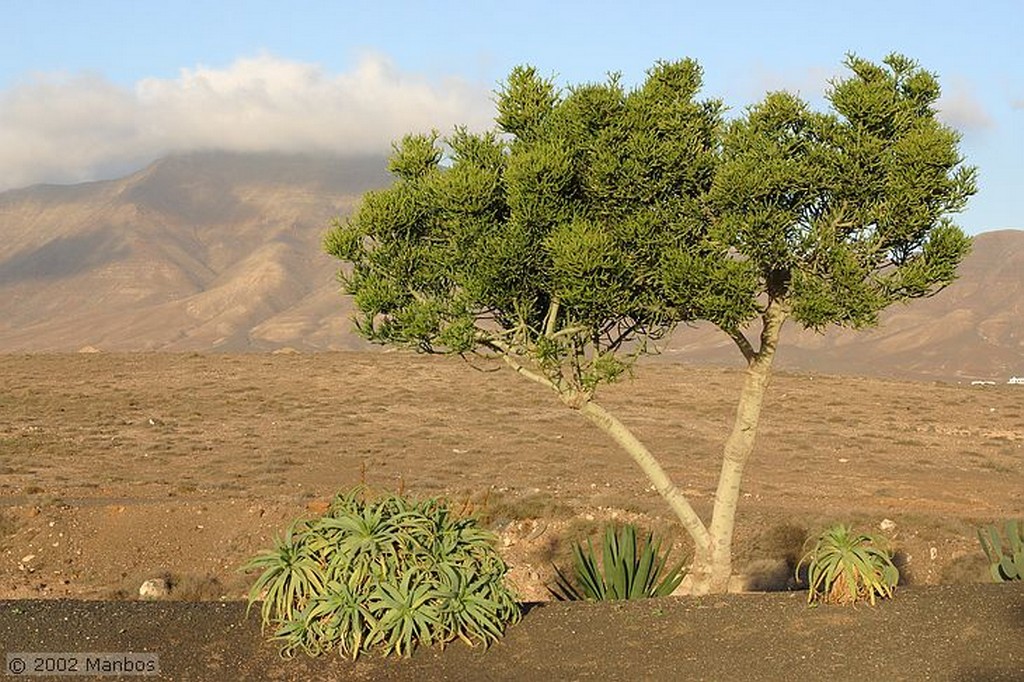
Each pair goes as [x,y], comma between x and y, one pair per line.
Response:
[960,108]
[65,128]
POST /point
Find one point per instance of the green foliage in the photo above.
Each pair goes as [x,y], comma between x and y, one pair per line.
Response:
[543,241]
[845,567]
[1005,553]
[387,575]
[594,219]
[843,213]
[628,570]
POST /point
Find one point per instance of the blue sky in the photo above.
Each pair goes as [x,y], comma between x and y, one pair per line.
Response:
[91,89]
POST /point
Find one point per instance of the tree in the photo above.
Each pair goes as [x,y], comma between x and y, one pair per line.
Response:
[592,222]
[839,215]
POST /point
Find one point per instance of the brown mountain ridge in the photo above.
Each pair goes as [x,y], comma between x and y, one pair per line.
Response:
[200,252]
[222,252]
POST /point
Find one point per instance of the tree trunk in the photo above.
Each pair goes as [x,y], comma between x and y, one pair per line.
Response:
[650,466]
[712,564]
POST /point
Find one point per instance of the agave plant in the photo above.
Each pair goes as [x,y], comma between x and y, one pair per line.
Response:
[845,567]
[1005,555]
[628,569]
[388,575]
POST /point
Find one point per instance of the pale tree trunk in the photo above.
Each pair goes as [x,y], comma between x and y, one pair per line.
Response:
[712,564]
[620,433]
[650,466]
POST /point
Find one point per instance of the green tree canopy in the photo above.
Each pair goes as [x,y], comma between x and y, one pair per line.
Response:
[842,214]
[565,240]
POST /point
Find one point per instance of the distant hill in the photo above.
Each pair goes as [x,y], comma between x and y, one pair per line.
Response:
[218,251]
[209,251]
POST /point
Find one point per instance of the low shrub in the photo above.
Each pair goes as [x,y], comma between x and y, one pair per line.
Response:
[388,575]
[628,570]
[845,567]
[1005,555]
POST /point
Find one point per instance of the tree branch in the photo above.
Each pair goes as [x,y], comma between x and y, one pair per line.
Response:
[743,343]
[506,354]
[551,318]
[608,423]
[774,317]
[530,374]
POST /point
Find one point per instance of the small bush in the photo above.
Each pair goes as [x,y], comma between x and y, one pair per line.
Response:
[1005,555]
[627,570]
[387,575]
[845,567]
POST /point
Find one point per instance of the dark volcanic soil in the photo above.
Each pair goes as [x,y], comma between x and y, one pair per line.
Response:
[963,633]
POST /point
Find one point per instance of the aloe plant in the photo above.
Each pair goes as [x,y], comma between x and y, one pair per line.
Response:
[628,570]
[291,575]
[1006,559]
[845,567]
[387,575]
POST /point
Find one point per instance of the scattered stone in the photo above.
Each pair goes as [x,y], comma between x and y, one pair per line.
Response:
[538,530]
[89,349]
[27,558]
[154,588]
[887,525]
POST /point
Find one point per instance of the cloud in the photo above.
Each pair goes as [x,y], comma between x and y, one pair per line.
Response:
[68,128]
[960,108]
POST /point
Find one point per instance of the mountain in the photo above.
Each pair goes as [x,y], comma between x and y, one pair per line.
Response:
[218,251]
[196,252]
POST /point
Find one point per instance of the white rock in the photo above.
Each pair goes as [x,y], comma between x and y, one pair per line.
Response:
[27,558]
[154,588]
[887,525]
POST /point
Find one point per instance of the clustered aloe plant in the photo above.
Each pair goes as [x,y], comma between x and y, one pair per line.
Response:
[845,567]
[1006,559]
[628,570]
[387,575]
